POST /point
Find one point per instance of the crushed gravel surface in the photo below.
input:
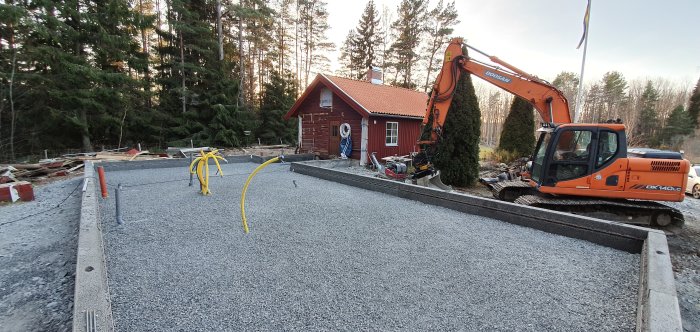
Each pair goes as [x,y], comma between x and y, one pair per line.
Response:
[685,256]
[325,256]
[37,259]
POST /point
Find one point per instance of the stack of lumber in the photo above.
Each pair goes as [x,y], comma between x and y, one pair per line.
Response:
[41,170]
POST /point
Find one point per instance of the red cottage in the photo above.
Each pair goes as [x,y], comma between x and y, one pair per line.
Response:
[382,118]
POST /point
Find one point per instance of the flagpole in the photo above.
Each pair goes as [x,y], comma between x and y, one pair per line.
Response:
[579,97]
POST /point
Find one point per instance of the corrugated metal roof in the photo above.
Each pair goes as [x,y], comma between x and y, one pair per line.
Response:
[382,99]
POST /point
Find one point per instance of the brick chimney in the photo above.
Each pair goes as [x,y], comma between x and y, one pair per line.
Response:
[374,75]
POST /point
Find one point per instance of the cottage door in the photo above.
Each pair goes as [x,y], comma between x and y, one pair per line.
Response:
[334,138]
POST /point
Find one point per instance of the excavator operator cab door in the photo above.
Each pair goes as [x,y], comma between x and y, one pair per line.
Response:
[568,155]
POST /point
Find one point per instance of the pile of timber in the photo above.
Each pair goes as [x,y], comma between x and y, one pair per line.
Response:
[44,169]
[68,164]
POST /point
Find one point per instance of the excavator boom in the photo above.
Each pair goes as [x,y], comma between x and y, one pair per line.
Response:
[547,100]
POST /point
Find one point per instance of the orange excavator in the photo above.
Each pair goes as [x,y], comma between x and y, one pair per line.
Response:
[582,168]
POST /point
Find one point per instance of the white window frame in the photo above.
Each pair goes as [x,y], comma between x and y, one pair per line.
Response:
[389,134]
[328,94]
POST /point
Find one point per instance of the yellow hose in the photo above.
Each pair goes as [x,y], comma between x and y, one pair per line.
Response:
[245,188]
[202,169]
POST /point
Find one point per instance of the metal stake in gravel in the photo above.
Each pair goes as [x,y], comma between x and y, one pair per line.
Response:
[117,205]
[191,156]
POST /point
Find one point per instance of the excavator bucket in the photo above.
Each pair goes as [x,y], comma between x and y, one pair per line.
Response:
[436,181]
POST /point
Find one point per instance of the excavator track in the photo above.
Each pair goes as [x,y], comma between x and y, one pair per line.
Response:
[510,190]
[642,213]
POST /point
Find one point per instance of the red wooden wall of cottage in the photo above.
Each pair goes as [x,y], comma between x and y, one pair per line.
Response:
[315,129]
[409,129]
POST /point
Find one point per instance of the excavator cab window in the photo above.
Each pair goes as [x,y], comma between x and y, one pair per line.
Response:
[571,156]
[607,148]
[539,158]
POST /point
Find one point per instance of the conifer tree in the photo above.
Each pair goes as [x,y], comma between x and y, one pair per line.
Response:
[694,105]
[440,21]
[349,64]
[278,97]
[517,136]
[567,82]
[313,20]
[80,54]
[407,31]
[368,39]
[677,125]
[457,153]
[648,118]
[199,93]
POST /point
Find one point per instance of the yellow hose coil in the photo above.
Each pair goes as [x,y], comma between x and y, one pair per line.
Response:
[245,188]
[202,169]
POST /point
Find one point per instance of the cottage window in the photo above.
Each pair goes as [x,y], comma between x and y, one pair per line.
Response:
[392,134]
[326,98]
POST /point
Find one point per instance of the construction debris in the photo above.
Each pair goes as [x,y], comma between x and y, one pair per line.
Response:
[176,152]
[491,172]
[43,169]
[12,192]
[67,165]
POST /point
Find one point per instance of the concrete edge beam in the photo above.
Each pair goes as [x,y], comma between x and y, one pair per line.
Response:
[92,310]
[611,234]
[287,158]
[658,308]
[163,163]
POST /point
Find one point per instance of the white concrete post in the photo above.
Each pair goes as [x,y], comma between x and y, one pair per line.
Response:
[364,140]
[299,133]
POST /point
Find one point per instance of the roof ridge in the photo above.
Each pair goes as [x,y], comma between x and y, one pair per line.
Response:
[386,85]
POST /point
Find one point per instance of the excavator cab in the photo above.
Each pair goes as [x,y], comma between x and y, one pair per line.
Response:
[568,155]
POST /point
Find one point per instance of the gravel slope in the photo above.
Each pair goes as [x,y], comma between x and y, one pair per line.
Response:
[37,259]
[324,256]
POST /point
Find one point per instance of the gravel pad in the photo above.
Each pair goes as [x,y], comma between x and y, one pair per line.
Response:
[325,256]
[38,248]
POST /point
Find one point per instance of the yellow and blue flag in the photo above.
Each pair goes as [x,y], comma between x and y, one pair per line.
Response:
[585,24]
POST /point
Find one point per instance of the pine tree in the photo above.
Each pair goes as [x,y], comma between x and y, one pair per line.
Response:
[614,95]
[257,47]
[457,154]
[407,31]
[517,135]
[368,39]
[80,54]
[349,65]
[116,52]
[313,20]
[13,30]
[199,93]
[648,118]
[278,97]
[568,82]
[441,19]
[694,105]
[677,125]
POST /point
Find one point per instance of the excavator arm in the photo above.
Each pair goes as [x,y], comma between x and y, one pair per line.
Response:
[546,99]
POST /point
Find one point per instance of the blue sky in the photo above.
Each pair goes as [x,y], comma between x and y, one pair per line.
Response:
[641,39]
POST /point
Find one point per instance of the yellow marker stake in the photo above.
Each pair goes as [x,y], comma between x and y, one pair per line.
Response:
[245,188]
